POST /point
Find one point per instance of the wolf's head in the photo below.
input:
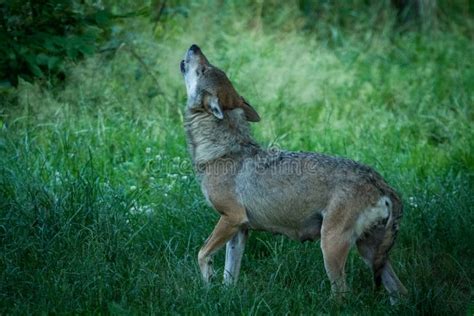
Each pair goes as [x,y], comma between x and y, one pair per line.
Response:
[209,89]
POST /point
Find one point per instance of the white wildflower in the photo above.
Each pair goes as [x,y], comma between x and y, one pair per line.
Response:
[143,209]
[412,202]
[57,177]
[147,209]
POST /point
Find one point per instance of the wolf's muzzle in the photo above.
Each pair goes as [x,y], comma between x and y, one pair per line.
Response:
[194,48]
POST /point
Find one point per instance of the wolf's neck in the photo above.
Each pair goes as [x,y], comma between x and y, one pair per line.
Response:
[209,138]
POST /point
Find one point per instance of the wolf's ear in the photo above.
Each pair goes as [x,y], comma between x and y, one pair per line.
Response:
[215,107]
[250,114]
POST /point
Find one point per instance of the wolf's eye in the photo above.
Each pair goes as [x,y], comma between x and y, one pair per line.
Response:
[200,71]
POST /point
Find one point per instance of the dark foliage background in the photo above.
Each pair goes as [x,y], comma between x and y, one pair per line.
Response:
[38,37]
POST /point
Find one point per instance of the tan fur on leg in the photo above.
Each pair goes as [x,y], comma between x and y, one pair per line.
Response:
[223,232]
[335,249]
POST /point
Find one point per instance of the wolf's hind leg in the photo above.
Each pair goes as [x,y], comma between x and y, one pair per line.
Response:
[335,244]
[390,281]
[233,256]
[392,284]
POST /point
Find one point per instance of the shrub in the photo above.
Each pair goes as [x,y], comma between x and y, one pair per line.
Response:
[38,36]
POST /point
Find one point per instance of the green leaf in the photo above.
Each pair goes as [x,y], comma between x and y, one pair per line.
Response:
[42,59]
[53,62]
[33,66]
[102,18]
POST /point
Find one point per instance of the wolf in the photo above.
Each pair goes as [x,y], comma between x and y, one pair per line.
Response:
[303,195]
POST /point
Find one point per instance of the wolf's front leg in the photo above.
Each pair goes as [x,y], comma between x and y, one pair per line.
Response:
[224,230]
[233,256]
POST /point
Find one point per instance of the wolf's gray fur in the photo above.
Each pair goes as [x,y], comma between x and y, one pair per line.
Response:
[298,194]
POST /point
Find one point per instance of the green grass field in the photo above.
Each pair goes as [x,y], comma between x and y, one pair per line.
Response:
[100,211]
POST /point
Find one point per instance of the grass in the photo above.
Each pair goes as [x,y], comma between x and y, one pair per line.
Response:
[100,212]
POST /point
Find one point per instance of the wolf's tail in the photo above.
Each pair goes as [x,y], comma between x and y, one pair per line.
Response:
[391,229]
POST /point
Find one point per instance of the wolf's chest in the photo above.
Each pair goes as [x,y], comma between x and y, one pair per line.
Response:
[205,192]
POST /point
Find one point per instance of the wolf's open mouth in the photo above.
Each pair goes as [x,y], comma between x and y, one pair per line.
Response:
[181,66]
